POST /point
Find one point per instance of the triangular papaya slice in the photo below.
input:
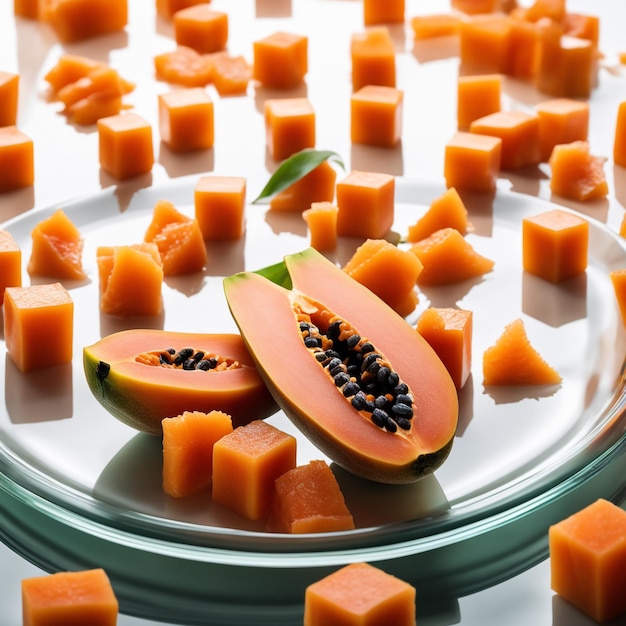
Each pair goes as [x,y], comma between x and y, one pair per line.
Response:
[512,360]
[448,258]
[445,211]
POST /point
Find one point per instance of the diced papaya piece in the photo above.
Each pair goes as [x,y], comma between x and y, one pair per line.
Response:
[376,115]
[81,597]
[100,80]
[448,257]
[576,174]
[477,96]
[38,325]
[17,159]
[365,202]
[93,107]
[472,161]
[357,594]
[622,226]
[587,555]
[68,69]
[373,58]
[57,249]
[445,211]
[521,60]
[289,126]
[28,9]
[475,7]
[185,67]
[618,280]
[388,12]
[308,499]
[202,28]
[167,8]
[9,90]
[541,9]
[220,203]
[125,145]
[281,60]
[484,43]
[519,132]
[77,20]
[582,26]
[131,278]
[186,119]
[232,75]
[565,65]
[188,441]
[513,361]
[435,25]
[246,463]
[321,220]
[178,238]
[316,186]
[555,244]
[387,271]
[619,140]
[10,263]
[561,120]
[449,332]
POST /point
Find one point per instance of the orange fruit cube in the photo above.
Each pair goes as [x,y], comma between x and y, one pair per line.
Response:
[383,11]
[289,126]
[281,60]
[201,28]
[77,20]
[376,115]
[477,96]
[561,120]
[186,119]
[10,263]
[220,203]
[9,89]
[17,159]
[373,58]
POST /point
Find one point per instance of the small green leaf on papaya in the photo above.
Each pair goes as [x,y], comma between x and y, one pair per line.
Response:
[277,273]
[292,169]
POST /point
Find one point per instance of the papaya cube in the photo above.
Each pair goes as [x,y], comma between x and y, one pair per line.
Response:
[519,132]
[9,88]
[434,25]
[82,597]
[201,28]
[619,140]
[521,61]
[28,9]
[131,278]
[588,560]
[10,263]
[582,26]
[246,463]
[308,499]
[77,20]
[280,60]
[316,186]
[474,7]
[360,594]
[289,126]
[618,280]
[477,96]
[577,174]
[219,203]
[167,8]
[449,332]
[125,145]
[555,244]
[376,116]
[186,119]
[38,325]
[561,120]
[188,441]
[321,220]
[383,11]
[484,43]
[472,161]
[373,58]
[232,74]
[17,159]
[365,204]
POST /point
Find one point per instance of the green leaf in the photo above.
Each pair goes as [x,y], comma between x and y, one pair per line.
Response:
[293,169]
[277,273]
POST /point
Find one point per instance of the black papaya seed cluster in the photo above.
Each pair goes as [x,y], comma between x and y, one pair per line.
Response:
[187,359]
[360,373]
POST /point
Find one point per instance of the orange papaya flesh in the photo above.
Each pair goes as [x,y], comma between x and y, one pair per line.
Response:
[352,413]
[142,376]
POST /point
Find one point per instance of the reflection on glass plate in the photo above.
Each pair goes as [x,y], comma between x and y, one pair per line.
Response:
[79,488]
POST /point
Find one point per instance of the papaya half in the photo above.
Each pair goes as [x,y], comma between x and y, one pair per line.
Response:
[142,376]
[354,376]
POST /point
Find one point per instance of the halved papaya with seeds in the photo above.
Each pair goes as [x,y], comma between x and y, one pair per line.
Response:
[360,383]
[142,376]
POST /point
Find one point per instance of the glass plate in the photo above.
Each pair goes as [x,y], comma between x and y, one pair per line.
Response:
[81,489]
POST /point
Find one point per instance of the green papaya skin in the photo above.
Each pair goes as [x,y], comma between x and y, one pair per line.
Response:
[125,374]
[270,317]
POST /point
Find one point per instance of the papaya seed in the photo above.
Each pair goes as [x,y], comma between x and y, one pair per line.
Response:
[102,370]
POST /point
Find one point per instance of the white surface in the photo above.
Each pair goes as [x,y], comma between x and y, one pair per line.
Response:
[66,165]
